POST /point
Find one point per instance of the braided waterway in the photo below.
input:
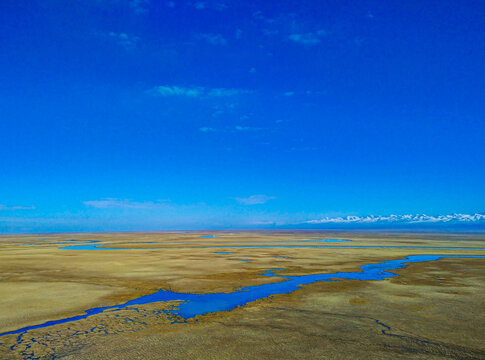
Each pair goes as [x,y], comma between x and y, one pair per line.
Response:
[191,305]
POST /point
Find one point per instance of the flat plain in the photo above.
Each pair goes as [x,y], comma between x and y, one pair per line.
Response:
[429,309]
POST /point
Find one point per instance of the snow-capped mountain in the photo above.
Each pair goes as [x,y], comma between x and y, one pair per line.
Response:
[402,219]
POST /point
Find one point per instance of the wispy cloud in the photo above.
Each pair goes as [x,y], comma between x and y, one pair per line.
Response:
[164,90]
[113,203]
[195,91]
[254,199]
[310,38]
[123,39]
[213,39]
[139,6]
[209,4]
[246,128]
[409,219]
[16,207]
[270,32]
[226,92]
[220,6]
[200,5]
[207,129]
[290,26]
[258,15]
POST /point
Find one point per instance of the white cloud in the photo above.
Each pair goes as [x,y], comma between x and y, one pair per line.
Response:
[254,199]
[258,15]
[16,207]
[409,219]
[195,91]
[139,6]
[123,39]
[246,128]
[178,91]
[216,92]
[289,93]
[213,39]
[217,113]
[270,32]
[242,128]
[311,38]
[113,203]
[207,129]
[200,5]
[213,5]
[220,6]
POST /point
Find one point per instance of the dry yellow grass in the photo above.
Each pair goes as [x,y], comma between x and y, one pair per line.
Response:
[434,309]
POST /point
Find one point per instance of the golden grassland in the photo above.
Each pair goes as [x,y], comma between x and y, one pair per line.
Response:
[435,310]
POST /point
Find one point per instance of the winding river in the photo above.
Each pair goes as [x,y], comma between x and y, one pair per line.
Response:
[191,305]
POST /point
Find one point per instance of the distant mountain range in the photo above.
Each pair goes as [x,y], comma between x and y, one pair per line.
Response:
[476,220]
[417,218]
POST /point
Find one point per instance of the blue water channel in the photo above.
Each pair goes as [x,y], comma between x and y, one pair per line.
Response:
[99,247]
[192,305]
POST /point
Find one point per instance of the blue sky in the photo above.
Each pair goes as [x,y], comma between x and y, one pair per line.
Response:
[150,115]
